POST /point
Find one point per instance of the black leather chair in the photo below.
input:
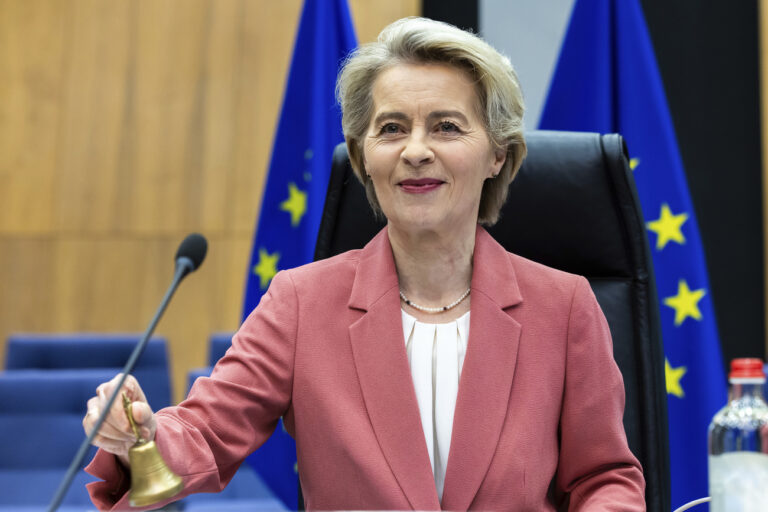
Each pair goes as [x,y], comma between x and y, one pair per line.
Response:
[573,206]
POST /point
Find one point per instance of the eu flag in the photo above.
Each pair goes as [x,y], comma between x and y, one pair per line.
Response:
[607,80]
[308,130]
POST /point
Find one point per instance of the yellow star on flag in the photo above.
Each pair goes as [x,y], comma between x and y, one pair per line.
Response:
[673,376]
[633,163]
[685,303]
[667,227]
[267,267]
[296,204]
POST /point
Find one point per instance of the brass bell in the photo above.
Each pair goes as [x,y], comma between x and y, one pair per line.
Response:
[151,479]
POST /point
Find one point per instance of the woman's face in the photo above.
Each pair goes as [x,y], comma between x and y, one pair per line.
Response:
[426,149]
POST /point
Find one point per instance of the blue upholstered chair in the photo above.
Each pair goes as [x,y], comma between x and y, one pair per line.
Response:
[94,351]
[218,345]
[195,373]
[41,415]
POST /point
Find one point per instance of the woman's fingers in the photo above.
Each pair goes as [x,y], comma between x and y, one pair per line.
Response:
[112,446]
[115,434]
[117,417]
[145,420]
[141,412]
[135,392]
[130,386]
[107,429]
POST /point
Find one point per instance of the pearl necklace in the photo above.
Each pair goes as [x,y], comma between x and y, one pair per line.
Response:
[435,310]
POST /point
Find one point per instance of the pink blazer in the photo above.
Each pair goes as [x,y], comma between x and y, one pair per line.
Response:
[538,420]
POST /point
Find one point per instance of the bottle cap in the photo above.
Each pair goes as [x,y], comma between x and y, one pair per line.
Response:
[747,368]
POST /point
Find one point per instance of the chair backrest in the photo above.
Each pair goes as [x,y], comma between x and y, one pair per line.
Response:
[574,207]
[41,414]
[219,343]
[94,351]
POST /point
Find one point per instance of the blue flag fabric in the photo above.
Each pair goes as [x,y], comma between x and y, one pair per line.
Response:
[308,130]
[607,80]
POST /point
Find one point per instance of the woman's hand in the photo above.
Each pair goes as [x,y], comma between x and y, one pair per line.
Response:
[116,435]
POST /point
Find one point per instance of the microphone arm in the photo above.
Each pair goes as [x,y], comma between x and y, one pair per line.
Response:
[183,267]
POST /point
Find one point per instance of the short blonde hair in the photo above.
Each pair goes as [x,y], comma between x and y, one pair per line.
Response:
[425,41]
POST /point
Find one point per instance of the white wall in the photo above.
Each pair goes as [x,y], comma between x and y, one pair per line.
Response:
[530,33]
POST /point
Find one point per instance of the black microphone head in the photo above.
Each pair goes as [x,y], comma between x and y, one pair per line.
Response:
[193,249]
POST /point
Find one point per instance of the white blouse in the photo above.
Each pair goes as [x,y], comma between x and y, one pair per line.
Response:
[436,355]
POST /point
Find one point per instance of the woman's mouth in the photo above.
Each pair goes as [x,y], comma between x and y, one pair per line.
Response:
[420,186]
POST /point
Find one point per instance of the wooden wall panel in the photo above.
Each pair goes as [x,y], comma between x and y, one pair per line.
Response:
[124,125]
[370,17]
[26,274]
[31,53]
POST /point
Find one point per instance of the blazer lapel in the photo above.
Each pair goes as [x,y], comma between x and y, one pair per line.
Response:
[486,377]
[382,368]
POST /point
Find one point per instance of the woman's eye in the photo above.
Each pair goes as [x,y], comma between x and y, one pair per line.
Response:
[389,128]
[447,126]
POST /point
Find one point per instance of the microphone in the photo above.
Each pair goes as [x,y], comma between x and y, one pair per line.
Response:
[191,253]
[189,257]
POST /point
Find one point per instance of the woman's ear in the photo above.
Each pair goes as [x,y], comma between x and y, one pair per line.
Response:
[357,157]
[499,157]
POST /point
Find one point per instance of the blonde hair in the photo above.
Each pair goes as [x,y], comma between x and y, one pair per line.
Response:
[425,41]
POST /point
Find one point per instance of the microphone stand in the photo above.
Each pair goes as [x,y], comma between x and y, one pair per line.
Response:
[184,266]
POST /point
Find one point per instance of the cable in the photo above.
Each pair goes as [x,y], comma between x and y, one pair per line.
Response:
[693,503]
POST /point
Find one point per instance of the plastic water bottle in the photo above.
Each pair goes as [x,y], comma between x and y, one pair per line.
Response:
[738,443]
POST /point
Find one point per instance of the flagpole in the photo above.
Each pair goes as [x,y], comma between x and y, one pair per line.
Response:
[763,51]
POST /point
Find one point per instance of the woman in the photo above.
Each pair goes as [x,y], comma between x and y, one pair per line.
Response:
[431,368]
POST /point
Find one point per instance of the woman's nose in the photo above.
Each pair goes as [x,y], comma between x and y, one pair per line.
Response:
[417,151]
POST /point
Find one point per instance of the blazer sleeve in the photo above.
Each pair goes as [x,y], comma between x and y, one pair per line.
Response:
[227,416]
[596,467]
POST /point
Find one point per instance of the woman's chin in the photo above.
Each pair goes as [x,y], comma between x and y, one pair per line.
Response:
[419,224]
